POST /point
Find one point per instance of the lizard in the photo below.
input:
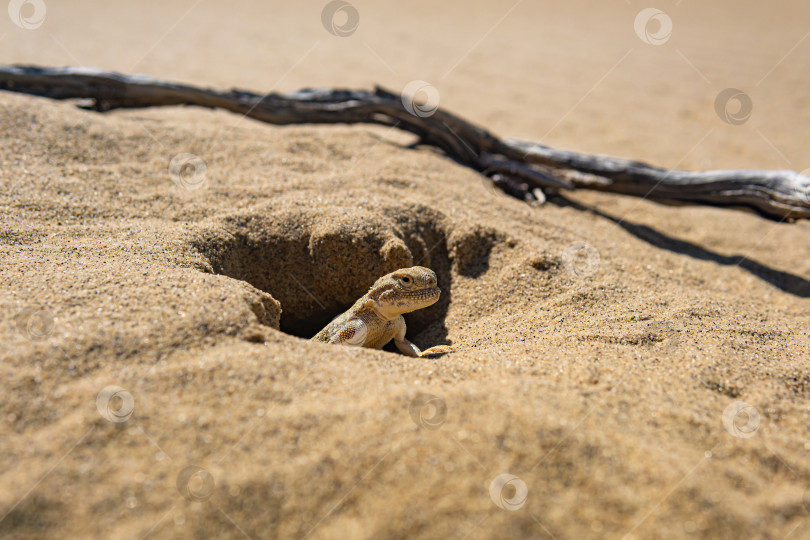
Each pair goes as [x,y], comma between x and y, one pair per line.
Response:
[376,318]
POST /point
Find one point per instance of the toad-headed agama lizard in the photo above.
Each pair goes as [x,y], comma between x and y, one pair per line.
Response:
[376,318]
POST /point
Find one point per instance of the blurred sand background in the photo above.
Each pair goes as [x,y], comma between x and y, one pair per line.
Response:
[600,383]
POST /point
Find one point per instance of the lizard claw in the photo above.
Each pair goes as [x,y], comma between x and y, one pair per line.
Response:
[438,349]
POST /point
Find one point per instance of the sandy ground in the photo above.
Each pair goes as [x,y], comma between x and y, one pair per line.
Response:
[639,371]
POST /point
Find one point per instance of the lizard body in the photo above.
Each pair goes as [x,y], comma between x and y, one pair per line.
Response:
[376,318]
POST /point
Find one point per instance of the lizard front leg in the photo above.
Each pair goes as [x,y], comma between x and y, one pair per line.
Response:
[410,349]
[354,332]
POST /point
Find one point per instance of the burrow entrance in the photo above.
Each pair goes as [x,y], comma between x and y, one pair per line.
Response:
[318,261]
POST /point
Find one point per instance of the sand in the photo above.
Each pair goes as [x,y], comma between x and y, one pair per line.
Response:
[156,379]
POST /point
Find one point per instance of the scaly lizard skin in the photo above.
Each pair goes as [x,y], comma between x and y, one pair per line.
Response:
[376,318]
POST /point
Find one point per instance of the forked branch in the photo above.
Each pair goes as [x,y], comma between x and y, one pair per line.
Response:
[778,195]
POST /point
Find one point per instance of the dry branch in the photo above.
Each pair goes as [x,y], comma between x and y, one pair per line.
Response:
[779,195]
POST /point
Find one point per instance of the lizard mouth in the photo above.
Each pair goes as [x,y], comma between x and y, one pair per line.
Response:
[425,295]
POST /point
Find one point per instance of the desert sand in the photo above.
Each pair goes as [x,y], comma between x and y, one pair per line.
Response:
[638,370]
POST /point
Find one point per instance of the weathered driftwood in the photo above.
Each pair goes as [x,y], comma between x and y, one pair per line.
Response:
[517,166]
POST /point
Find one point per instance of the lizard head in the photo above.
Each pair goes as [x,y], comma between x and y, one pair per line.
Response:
[405,290]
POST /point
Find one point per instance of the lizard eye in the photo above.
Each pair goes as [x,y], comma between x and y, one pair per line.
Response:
[405,279]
